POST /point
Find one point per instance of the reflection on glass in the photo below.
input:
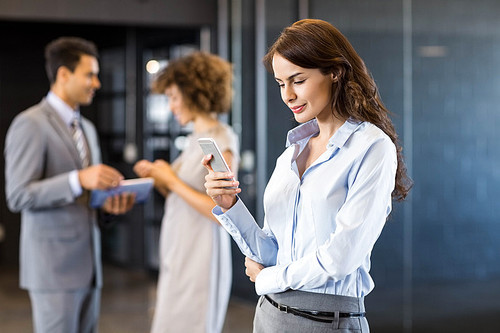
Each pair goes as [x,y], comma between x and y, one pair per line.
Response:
[158,112]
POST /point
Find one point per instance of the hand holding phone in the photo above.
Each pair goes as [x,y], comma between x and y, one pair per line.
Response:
[209,147]
[224,197]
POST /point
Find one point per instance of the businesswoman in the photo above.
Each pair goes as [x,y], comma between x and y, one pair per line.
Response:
[330,194]
[195,270]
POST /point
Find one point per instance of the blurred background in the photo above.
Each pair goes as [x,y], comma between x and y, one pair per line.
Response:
[436,265]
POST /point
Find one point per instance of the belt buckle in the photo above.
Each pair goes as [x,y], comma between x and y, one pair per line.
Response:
[283,308]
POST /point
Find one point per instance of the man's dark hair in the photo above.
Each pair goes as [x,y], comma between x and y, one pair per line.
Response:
[66,51]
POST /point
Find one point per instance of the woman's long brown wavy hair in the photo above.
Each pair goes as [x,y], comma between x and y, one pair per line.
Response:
[314,43]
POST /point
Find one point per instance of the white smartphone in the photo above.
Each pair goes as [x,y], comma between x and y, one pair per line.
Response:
[217,162]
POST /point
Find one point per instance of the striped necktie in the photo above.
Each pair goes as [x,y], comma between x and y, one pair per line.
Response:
[80,142]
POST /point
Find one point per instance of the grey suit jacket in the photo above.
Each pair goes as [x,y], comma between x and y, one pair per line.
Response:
[60,239]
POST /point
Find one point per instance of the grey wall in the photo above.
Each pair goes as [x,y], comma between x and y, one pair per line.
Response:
[141,12]
[456,116]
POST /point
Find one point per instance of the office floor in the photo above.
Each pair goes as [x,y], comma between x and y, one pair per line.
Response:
[128,298]
[127,304]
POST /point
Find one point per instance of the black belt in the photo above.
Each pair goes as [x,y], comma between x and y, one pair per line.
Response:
[313,315]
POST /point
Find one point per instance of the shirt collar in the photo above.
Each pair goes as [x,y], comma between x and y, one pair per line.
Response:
[306,130]
[63,110]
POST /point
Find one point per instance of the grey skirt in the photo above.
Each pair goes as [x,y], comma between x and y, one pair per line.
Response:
[345,314]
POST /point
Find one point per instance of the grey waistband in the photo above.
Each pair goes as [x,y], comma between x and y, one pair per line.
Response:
[319,302]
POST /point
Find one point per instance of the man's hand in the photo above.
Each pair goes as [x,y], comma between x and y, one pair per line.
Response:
[99,177]
[119,204]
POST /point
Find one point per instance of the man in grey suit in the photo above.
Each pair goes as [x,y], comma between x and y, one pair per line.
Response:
[48,177]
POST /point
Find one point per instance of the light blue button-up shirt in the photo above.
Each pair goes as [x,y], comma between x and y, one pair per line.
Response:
[319,229]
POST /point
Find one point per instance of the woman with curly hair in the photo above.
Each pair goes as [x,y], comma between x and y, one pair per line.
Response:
[330,194]
[195,270]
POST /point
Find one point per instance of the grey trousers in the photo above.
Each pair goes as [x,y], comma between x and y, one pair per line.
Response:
[66,311]
[269,319]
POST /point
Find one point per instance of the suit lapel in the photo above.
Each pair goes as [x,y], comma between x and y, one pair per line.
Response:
[90,144]
[62,130]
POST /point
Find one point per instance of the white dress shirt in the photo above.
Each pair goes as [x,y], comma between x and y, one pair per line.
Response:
[319,229]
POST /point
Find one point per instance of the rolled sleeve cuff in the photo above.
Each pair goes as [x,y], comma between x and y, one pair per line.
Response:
[238,212]
[74,183]
[239,223]
[267,281]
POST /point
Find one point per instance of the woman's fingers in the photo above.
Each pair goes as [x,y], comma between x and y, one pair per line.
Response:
[205,161]
[221,186]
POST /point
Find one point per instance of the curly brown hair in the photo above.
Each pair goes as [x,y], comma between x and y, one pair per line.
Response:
[312,43]
[204,79]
